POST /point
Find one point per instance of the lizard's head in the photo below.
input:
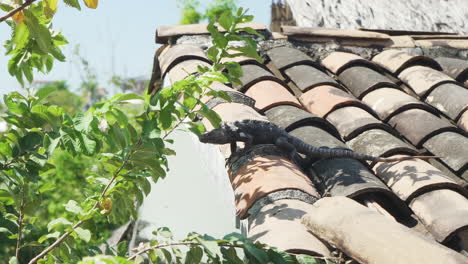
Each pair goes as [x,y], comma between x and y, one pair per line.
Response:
[222,135]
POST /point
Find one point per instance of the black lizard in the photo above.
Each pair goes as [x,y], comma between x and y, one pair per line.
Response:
[254,132]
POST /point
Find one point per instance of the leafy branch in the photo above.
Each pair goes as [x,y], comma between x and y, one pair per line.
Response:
[16,10]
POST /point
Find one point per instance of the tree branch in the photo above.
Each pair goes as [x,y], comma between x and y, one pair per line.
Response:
[20,226]
[16,10]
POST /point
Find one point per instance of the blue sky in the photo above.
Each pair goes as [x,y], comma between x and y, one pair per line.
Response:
[116,38]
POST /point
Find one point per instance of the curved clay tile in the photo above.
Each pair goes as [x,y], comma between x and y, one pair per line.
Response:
[174,54]
[317,137]
[323,99]
[451,99]
[463,121]
[306,77]
[351,121]
[411,178]
[269,224]
[362,234]
[377,142]
[455,68]
[362,80]
[263,175]
[184,68]
[387,102]
[252,74]
[451,148]
[338,61]
[423,79]
[284,57]
[290,117]
[268,94]
[443,212]
[418,125]
[396,61]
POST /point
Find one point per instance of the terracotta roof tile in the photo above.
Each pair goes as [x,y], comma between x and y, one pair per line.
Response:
[268,94]
[387,102]
[269,224]
[362,234]
[455,68]
[351,121]
[174,54]
[451,99]
[423,79]
[338,61]
[444,212]
[184,68]
[307,77]
[418,125]
[284,57]
[411,178]
[253,74]
[317,137]
[396,61]
[324,99]
[451,147]
[362,80]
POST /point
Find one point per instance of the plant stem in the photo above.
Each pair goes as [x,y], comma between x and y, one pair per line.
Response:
[20,226]
[16,10]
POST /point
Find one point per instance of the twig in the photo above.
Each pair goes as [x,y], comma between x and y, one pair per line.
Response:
[20,226]
[16,10]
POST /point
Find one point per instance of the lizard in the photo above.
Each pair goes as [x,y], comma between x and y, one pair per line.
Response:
[254,132]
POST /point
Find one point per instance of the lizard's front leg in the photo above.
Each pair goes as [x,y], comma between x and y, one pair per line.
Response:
[283,144]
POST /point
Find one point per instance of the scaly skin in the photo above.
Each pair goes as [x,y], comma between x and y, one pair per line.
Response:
[254,132]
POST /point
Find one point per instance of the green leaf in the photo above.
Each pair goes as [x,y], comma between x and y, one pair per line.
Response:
[50,8]
[44,93]
[39,32]
[226,20]
[84,234]
[51,235]
[194,255]
[21,36]
[258,254]
[305,259]
[73,3]
[165,232]
[5,230]
[56,222]
[211,115]
[211,246]
[30,141]
[231,255]
[83,122]
[13,260]
[213,53]
[73,207]
[5,149]
[18,107]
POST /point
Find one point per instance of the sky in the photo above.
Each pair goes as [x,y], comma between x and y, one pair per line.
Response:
[117,38]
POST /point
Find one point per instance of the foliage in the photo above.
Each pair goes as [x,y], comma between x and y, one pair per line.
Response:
[190,14]
[63,97]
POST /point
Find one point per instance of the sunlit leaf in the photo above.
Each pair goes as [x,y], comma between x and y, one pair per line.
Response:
[83,233]
[50,7]
[91,3]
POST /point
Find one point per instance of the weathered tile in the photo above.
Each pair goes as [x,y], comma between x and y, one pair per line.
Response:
[306,77]
[317,137]
[268,94]
[463,121]
[377,142]
[184,68]
[369,237]
[411,178]
[253,74]
[176,53]
[443,212]
[350,121]
[396,61]
[455,68]
[337,61]
[387,102]
[284,57]
[418,125]
[263,175]
[362,80]
[423,79]
[323,99]
[451,99]
[451,148]
[269,224]
[290,117]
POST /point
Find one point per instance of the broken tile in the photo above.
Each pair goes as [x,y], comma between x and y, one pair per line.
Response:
[338,61]
[411,178]
[443,212]
[463,121]
[268,94]
[451,148]
[306,77]
[377,142]
[184,68]
[263,175]
[361,80]
[323,99]
[423,79]
[317,137]
[290,117]
[387,102]
[455,68]
[362,233]
[451,99]
[396,61]
[350,121]
[269,224]
[418,125]
[176,53]
[284,57]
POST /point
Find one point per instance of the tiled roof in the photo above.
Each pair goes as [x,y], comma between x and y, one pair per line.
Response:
[383,93]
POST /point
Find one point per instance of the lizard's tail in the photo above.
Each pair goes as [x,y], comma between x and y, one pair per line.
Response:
[380,159]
